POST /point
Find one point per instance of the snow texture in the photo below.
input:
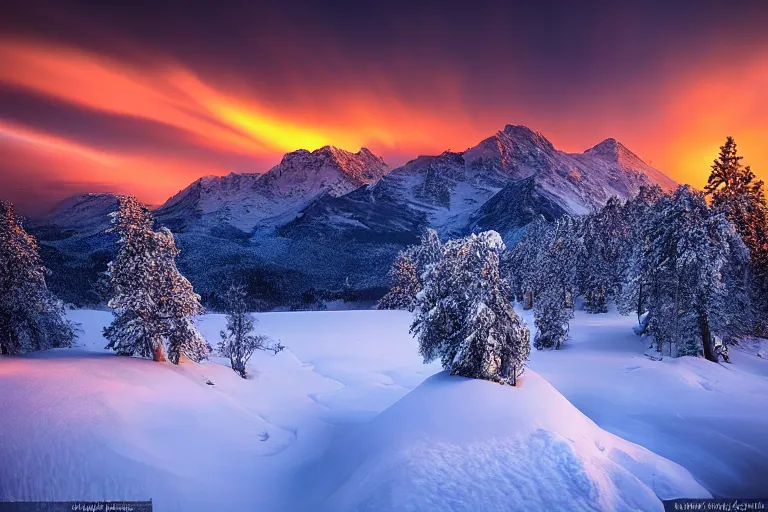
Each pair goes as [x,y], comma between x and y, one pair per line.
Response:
[465,444]
[83,423]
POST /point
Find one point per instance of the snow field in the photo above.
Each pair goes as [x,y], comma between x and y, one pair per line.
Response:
[329,423]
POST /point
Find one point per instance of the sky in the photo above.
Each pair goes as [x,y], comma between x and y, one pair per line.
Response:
[145,97]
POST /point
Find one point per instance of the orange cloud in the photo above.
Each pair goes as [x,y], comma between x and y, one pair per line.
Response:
[231,123]
[676,123]
[153,178]
[171,94]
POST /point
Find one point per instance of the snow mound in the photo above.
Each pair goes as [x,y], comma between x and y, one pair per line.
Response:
[463,444]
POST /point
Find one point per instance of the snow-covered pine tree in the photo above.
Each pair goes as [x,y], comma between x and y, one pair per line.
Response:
[31,318]
[408,269]
[695,258]
[238,342]
[599,269]
[520,264]
[152,302]
[556,280]
[430,250]
[736,191]
[463,315]
[405,282]
[634,276]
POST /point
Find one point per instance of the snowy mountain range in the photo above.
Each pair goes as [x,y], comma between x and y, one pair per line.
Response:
[327,223]
[248,200]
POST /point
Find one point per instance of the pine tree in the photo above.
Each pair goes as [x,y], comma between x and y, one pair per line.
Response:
[600,267]
[634,276]
[735,190]
[31,318]
[694,258]
[556,282]
[405,283]
[521,264]
[407,272]
[152,302]
[238,342]
[429,252]
[463,315]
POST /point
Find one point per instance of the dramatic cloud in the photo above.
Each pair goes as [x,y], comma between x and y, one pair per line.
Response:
[140,99]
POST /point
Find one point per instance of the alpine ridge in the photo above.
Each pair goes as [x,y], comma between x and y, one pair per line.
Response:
[325,225]
[246,200]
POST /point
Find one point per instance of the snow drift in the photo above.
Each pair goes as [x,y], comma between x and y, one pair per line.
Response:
[463,444]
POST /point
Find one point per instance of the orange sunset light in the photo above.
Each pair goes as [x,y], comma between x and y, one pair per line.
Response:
[679,134]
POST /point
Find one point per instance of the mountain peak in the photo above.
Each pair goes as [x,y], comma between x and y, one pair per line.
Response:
[83,209]
[615,153]
[517,150]
[342,154]
[359,168]
[521,136]
[519,129]
[613,150]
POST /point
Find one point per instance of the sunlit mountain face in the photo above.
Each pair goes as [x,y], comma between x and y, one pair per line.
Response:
[145,99]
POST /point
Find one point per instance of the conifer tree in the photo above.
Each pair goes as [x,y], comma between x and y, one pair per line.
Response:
[693,257]
[600,267]
[736,191]
[153,304]
[634,276]
[521,264]
[238,342]
[31,318]
[407,272]
[556,282]
[405,282]
[463,316]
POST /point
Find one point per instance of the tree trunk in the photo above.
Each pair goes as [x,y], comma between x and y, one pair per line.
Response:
[159,353]
[527,300]
[677,320]
[706,338]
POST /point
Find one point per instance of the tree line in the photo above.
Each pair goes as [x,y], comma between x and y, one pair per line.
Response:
[154,306]
[691,265]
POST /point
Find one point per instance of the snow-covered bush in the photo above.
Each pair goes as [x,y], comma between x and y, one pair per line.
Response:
[152,302]
[463,315]
[31,318]
[238,342]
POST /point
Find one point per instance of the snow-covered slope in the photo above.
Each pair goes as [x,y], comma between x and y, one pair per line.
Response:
[709,417]
[82,213]
[463,444]
[447,190]
[83,423]
[244,200]
[616,154]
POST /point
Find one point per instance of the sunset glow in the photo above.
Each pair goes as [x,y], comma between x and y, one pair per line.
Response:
[151,125]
